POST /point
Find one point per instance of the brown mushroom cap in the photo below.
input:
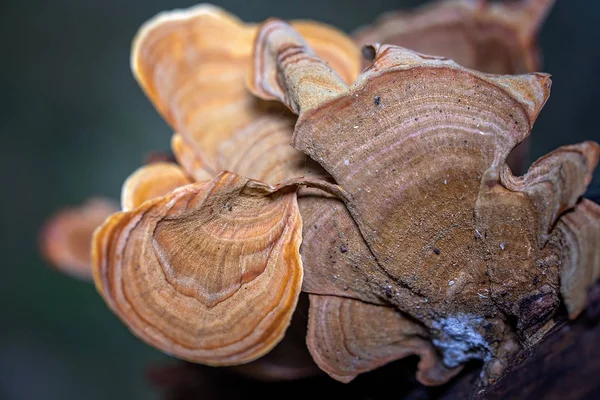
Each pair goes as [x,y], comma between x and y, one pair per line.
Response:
[483,35]
[555,182]
[336,259]
[420,145]
[66,238]
[273,46]
[348,337]
[151,181]
[494,37]
[577,236]
[209,273]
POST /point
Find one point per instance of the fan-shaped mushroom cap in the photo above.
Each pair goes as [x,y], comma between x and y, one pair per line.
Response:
[487,36]
[262,150]
[192,159]
[150,181]
[66,238]
[420,144]
[555,182]
[192,65]
[336,259]
[483,35]
[209,273]
[348,337]
[577,236]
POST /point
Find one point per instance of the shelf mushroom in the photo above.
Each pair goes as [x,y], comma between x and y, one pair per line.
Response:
[348,337]
[192,65]
[419,144]
[225,128]
[66,238]
[210,273]
[393,209]
[151,181]
[493,37]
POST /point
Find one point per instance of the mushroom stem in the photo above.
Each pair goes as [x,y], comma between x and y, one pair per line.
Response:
[285,68]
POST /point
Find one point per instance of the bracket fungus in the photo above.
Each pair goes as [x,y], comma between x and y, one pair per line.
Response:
[197,83]
[66,238]
[209,273]
[347,337]
[419,144]
[494,37]
[394,207]
[151,181]
[488,36]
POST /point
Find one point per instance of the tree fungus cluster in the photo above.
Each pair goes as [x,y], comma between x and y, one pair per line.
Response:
[385,194]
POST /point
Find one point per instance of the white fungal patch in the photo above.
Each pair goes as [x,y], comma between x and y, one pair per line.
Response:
[459,340]
[346,162]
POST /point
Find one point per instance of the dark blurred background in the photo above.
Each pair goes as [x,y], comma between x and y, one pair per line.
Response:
[74,123]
